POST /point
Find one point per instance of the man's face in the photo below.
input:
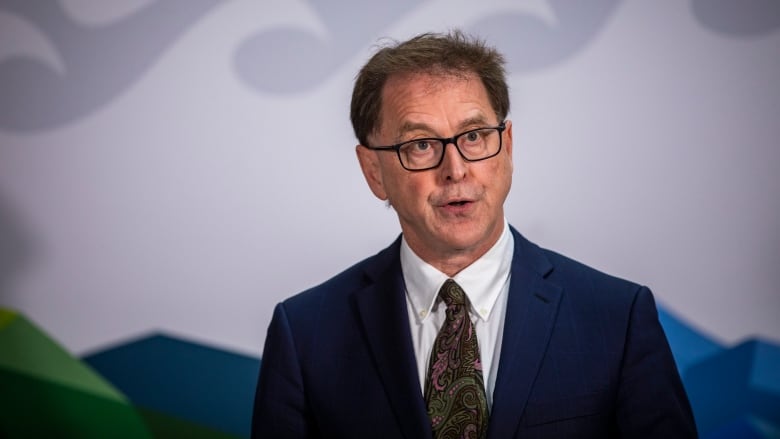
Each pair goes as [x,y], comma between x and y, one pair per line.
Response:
[452,214]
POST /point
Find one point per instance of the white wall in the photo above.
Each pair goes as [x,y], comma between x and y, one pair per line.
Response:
[184,165]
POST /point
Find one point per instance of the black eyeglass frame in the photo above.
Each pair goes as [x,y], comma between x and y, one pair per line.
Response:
[445,141]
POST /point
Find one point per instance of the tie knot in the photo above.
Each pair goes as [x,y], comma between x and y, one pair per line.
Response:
[452,294]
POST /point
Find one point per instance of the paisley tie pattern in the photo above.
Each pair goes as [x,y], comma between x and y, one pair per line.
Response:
[454,388]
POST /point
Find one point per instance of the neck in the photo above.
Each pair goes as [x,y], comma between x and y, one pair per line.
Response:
[452,261]
[453,266]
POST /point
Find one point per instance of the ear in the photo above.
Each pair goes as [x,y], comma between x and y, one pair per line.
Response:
[369,164]
[508,138]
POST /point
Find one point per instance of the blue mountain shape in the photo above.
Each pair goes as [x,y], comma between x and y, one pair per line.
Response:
[689,346]
[745,428]
[197,383]
[742,382]
[735,392]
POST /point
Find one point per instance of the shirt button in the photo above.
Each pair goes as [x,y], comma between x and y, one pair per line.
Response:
[483,312]
[423,313]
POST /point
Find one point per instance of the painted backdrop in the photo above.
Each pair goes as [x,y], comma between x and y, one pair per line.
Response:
[180,166]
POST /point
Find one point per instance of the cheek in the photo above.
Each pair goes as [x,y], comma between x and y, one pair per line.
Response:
[500,179]
[410,193]
[508,170]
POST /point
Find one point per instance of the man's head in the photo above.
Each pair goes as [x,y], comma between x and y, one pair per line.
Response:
[437,87]
[435,54]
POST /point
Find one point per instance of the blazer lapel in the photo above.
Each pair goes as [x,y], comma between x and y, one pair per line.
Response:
[382,311]
[532,307]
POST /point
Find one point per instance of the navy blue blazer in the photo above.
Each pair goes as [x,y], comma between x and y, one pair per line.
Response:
[583,356]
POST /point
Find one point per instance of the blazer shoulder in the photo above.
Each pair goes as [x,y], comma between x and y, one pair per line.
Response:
[338,287]
[580,283]
[566,267]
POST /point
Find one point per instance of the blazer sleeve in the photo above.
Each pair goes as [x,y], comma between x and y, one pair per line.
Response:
[652,402]
[280,408]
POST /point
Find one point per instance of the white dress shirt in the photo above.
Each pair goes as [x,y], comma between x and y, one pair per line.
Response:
[486,283]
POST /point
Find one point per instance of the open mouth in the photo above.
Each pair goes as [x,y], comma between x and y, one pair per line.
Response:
[457,203]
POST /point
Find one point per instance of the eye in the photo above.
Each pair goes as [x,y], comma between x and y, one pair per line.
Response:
[418,146]
[471,139]
[472,136]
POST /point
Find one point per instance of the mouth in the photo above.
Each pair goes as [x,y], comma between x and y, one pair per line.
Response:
[459,203]
[459,207]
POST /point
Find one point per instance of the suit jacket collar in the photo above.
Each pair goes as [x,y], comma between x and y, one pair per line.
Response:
[382,311]
[530,315]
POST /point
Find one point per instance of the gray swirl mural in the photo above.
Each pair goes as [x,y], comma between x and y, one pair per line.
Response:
[738,18]
[99,62]
[534,44]
[308,59]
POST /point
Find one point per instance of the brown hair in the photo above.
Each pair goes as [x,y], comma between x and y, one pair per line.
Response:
[440,54]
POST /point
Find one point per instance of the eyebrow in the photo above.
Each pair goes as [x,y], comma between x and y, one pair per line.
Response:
[407,127]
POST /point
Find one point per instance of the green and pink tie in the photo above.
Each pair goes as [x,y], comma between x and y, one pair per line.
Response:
[454,388]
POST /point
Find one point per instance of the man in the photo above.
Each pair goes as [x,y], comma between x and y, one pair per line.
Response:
[461,327]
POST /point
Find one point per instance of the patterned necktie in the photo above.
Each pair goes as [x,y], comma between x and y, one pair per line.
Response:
[454,389]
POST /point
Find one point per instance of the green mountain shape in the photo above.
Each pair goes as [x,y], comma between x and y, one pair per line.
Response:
[48,393]
[164,425]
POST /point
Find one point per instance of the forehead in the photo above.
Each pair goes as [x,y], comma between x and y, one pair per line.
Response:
[433,102]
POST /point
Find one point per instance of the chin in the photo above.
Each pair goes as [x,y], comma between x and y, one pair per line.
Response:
[463,241]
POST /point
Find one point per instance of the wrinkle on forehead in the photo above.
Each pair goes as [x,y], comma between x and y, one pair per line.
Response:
[430,83]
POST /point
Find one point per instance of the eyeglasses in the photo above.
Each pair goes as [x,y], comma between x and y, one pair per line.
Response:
[428,153]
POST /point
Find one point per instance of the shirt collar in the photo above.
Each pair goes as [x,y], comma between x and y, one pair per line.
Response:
[482,281]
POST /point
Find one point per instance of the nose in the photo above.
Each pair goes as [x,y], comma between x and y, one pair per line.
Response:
[453,166]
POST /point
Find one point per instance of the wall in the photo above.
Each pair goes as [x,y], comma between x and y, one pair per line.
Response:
[183,165]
